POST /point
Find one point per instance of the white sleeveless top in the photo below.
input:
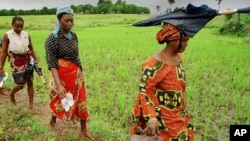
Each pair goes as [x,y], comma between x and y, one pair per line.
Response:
[18,44]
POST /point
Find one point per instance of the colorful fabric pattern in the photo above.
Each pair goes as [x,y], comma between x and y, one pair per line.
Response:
[22,70]
[168,33]
[72,79]
[62,47]
[162,96]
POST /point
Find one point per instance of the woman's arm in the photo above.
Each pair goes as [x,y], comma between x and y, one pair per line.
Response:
[52,62]
[150,78]
[3,53]
[61,90]
[33,52]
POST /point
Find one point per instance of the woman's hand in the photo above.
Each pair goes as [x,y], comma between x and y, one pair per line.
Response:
[152,127]
[36,61]
[61,91]
[2,72]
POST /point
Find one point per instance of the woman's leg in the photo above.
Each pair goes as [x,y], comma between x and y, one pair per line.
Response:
[2,92]
[84,129]
[53,121]
[30,90]
[13,92]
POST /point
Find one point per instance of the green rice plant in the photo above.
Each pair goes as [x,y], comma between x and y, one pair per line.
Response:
[22,125]
[217,70]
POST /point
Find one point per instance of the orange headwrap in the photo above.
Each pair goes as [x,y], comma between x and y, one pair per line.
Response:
[168,33]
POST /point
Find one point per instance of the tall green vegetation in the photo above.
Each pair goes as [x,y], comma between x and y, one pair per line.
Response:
[217,68]
[236,24]
[103,7]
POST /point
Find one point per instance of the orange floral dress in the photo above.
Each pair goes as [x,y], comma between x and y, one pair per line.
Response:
[72,79]
[162,96]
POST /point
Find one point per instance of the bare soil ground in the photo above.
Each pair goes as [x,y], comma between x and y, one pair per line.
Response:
[42,111]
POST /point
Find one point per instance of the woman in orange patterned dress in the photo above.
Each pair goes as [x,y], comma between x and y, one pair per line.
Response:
[160,107]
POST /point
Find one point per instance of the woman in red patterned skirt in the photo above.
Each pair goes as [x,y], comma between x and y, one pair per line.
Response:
[160,107]
[66,69]
[17,46]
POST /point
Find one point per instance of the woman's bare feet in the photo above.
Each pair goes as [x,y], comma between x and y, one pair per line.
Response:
[32,107]
[84,130]
[53,122]
[12,99]
[87,134]
[3,92]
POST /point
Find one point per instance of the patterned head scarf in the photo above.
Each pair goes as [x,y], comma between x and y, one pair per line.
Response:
[64,10]
[169,32]
[57,27]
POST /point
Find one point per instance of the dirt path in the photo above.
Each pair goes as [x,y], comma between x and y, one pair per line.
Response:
[41,108]
[42,111]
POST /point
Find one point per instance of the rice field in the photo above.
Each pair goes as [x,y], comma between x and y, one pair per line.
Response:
[217,67]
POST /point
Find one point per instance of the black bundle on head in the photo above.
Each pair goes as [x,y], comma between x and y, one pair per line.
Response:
[191,20]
